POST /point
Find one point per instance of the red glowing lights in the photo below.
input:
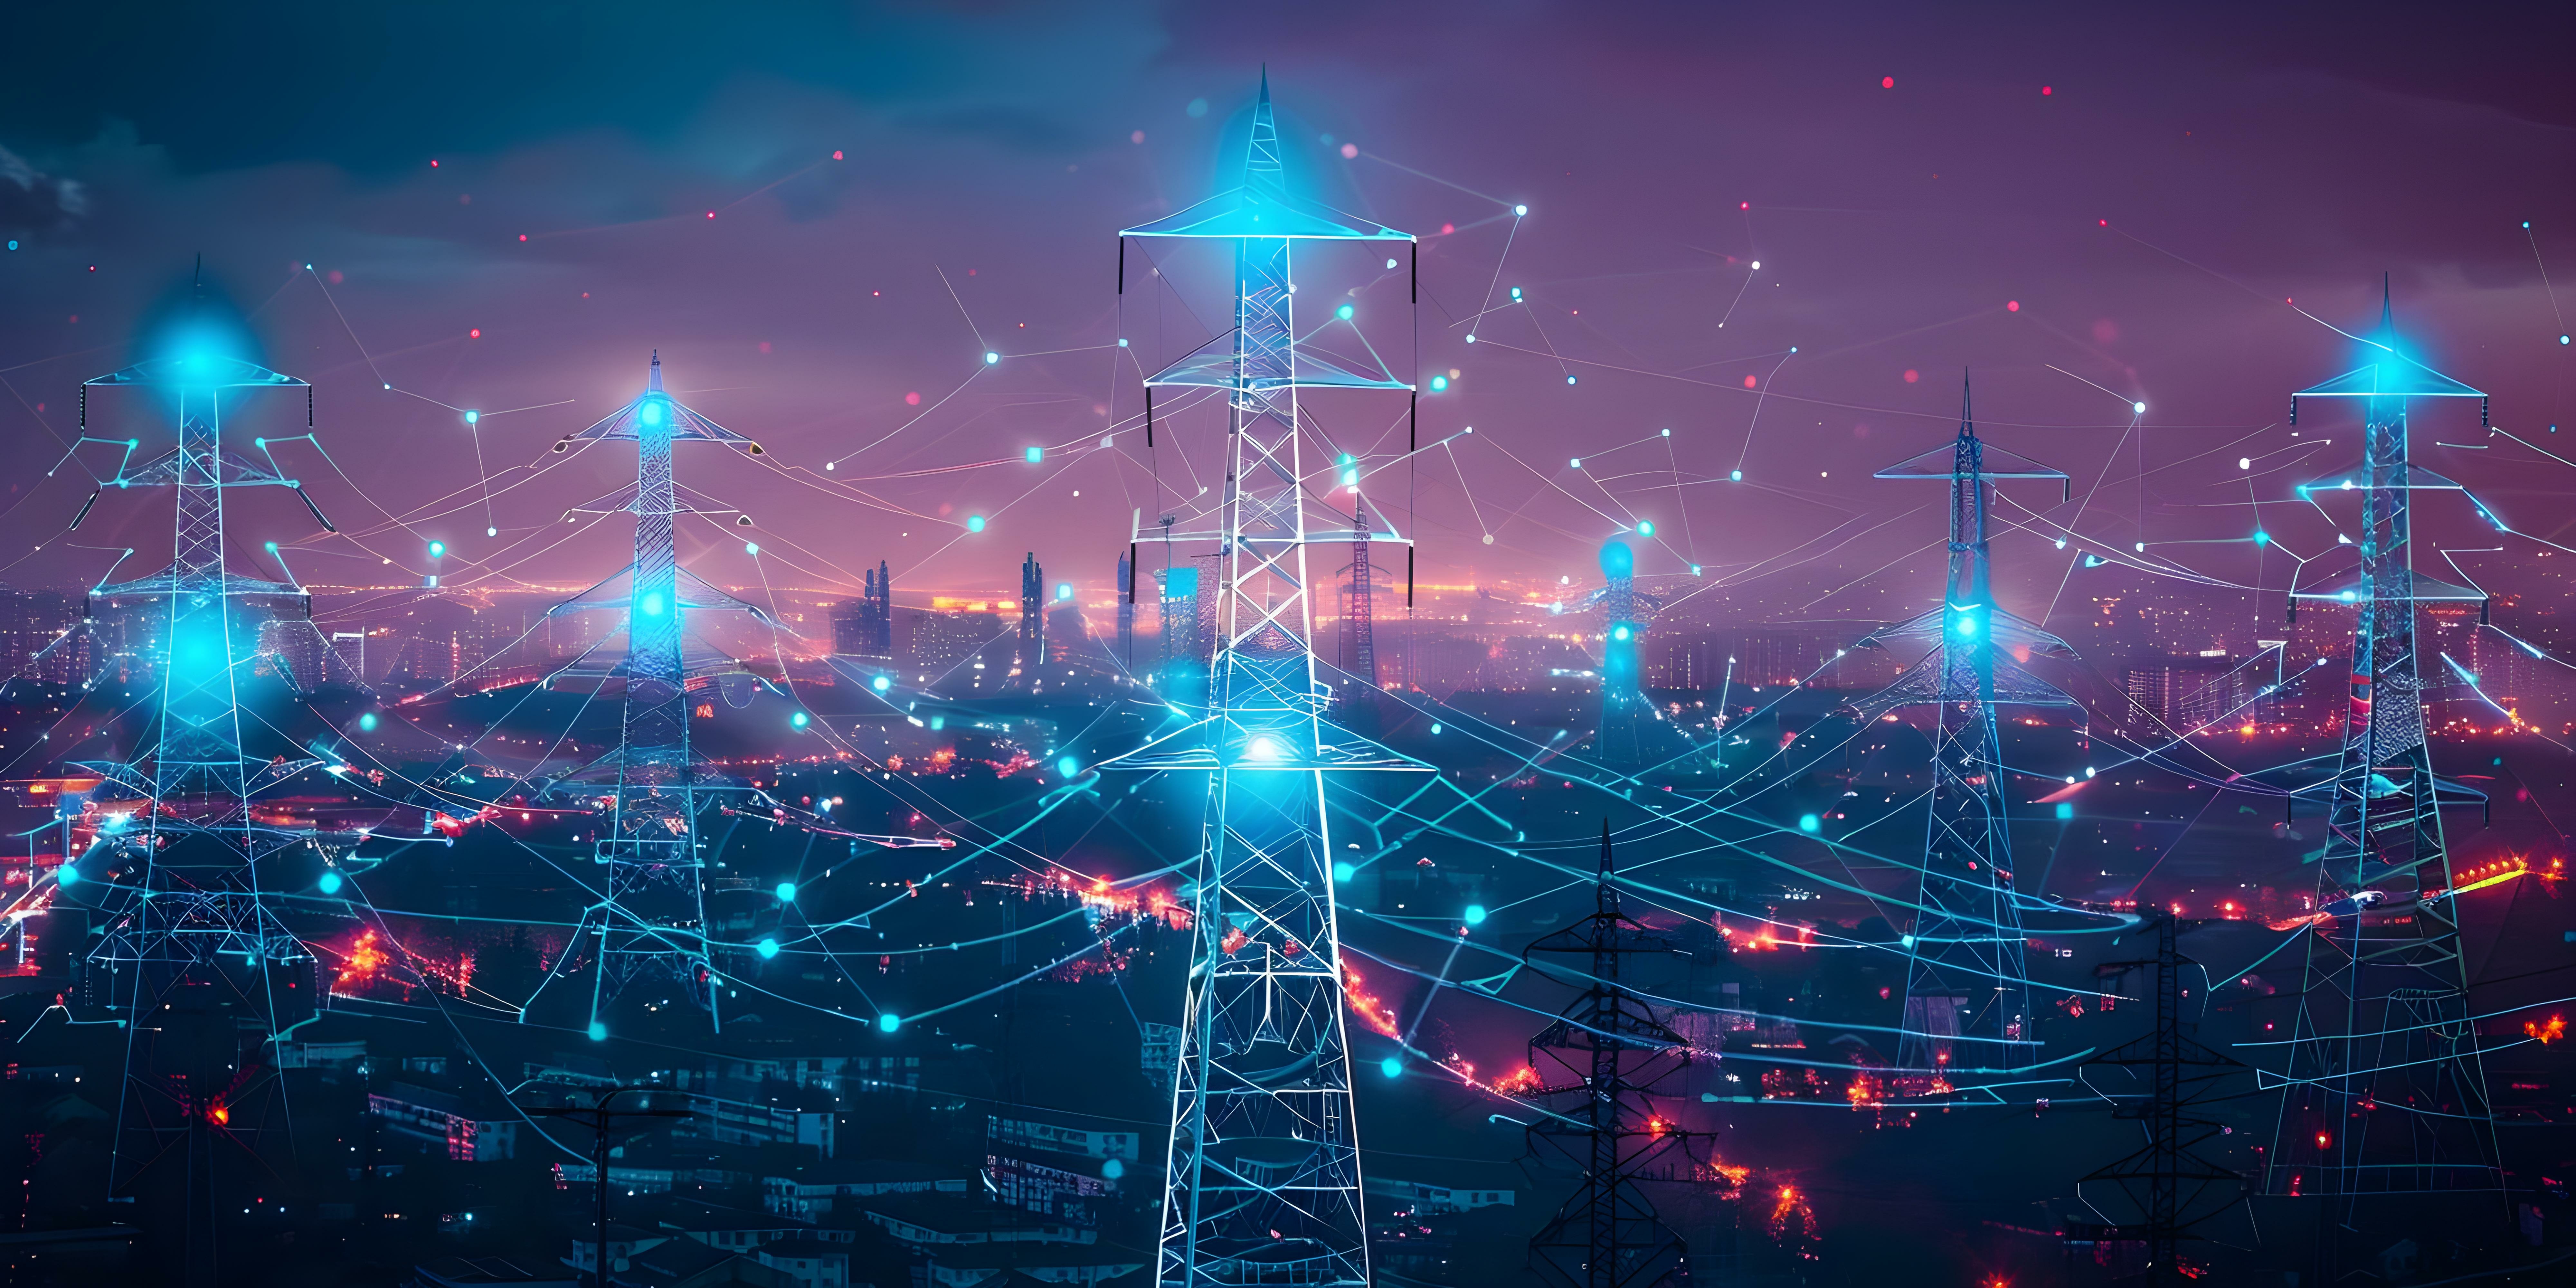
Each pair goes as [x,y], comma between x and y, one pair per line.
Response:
[2545,1034]
[2045,91]
[475,334]
[912,400]
[1887,82]
[1911,375]
[2012,306]
[1749,382]
[836,154]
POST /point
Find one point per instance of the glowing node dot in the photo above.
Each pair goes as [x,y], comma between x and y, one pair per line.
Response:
[1344,313]
[836,154]
[2012,306]
[1344,872]
[889,1022]
[1757,265]
[1751,383]
[1645,527]
[1350,150]
[475,334]
[786,892]
[1810,823]
[1520,210]
[329,884]
[799,720]
[473,417]
[1911,375]
[598,1031]
[367,722]
[1735,476]
[1576,462]
[1475,914]
[2138,407]
[1392,1066]
[880,684]
[912,400]
[1569,380]
[1887,82]
[67,875]
[1034,454]
[990,358]
[767,947]
[2045,91]
[1439,384]
[974,523]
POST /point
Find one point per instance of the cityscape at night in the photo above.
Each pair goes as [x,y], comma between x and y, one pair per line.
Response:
[1145,645]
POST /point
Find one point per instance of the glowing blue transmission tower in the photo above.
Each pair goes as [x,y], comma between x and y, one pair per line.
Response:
[2385,1090]
[193,894]
[1263,1185]
[1967,984]
[651,918]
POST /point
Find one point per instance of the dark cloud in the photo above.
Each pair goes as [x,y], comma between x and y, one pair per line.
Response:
[32,202]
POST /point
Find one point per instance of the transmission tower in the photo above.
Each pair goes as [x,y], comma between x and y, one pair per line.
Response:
[1263,1179]
[2180,1075]
[1600,1065]
[2385,1091]
[1967,981]
[188,867]
[651,918]
[1626,715]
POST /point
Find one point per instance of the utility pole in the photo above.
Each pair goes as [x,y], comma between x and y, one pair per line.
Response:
[603,1122]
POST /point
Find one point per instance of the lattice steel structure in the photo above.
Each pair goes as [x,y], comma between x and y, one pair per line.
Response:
[2169,1186]
[1966,980]
[187,865]
[2385,1091]
[1263,1179]
[651,917]
[1601,1066]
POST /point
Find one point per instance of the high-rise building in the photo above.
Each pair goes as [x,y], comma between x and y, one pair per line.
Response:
[864,627]
[1032,636]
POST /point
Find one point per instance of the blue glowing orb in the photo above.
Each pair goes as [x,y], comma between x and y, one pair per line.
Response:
[889,1022]
[2065,810]
[1617,560]
[67,875]
[786,892]
[1344,312]
[974,523]
[751,547]
[1439,384]
[1112,1169]
[1475,914]
[651,412]
[438,550]
[1064,590]
[799,720]
[1967,624]
[1392,1066]
[991,358]
[598,1031]
[329,884]
[1067,766]
[367,722]
[1344,872]
[1810,823]
[1645,527]
[767,947]
[1619,633]
[1034,454]
[880,684]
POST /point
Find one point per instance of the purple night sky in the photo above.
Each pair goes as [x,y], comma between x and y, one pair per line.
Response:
[2149,189]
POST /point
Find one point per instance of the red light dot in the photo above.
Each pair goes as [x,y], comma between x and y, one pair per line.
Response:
[2103,222]
[912,400]
[2045,91]
[523,237]
[836,154]
[1887,82]
[2012,306]
[711,214]
[1749,382]
[1744,205]
[1911,375]
[433,163]
[475,334]
[1446,229]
